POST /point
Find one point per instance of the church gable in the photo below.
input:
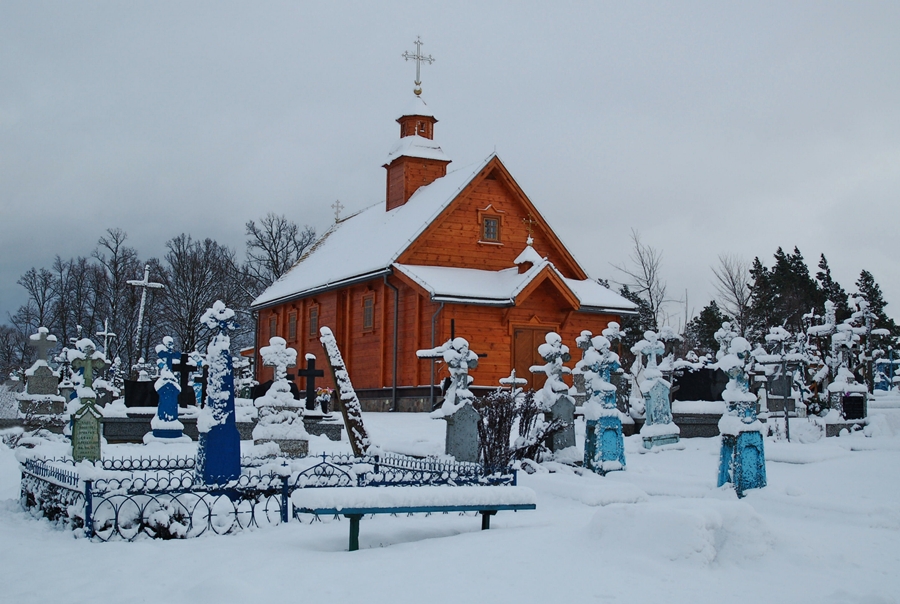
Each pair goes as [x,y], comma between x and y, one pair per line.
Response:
[486,226]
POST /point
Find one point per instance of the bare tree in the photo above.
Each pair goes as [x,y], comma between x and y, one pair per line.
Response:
[273,246]
[645,277]
[732,282]
[39,285]
[119,301]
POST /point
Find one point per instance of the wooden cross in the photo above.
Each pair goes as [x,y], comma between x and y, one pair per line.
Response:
[144,284]
[337,206]
[89,364]
[419,58]
[42,342]
[184,369]
[106,334]
[529,224]
[310,373]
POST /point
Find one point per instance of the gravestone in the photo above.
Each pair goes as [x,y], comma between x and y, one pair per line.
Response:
[604,445]
[703,384]
[658,428]
[310,374]
[742,460]
[457,410]
[165,426]
[554,397]
[41,396]
[462,434]
[184,368]
[280,414]
[140,394]
[86,428]
[219,447]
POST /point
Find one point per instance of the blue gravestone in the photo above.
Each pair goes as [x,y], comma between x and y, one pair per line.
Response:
[604,446]
[166,427]
[659,428]
[219,450]
[742,460]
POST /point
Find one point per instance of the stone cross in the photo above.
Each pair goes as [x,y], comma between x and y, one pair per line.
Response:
[419,58]
[167,353]
[279,356]
[653,349]
[42,342]
[144,284]
[88,364]
[310,374]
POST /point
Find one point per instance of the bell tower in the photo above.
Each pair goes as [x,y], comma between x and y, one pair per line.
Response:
[415,160]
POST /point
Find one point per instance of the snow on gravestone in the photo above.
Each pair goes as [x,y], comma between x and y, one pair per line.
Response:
[219,449]
[659,427]
[554,397]
[280,415]
[350,407]
[86,419]
[41,394]
[461,439]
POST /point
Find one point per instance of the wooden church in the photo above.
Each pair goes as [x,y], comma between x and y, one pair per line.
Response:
[463,252]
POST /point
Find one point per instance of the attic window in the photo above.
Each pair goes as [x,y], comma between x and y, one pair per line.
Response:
[490,228]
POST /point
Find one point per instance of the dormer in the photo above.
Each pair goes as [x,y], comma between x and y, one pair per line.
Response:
[415,160]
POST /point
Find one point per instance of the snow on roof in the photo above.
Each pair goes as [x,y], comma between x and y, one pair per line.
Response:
[500,288]
[416,146]
[528,255]
[417,107]
[365,245]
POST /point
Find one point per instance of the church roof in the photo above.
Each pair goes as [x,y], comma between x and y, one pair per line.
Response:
[367,245]
[501,288]
[416,146]
[417,107]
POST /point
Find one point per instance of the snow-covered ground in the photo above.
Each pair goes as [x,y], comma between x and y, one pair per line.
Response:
[825,530]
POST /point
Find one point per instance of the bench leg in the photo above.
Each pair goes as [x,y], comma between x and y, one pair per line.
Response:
[486,519]
[354,531]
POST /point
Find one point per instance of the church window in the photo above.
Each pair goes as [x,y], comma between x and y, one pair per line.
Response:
[273,326]
[490,228]
[313,320]
[420,128]
[292,326]
[368,312]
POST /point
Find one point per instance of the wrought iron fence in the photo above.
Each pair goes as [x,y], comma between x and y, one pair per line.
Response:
[162,498]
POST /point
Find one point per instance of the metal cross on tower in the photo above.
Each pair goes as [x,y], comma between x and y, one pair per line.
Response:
[143,284]
[337,206]
[529,224]
[419,58]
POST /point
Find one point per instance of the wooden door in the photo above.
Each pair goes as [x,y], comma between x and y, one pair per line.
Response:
[525,344]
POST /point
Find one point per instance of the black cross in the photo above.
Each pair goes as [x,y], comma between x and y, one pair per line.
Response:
[202,379]
[184,368]
[310,373]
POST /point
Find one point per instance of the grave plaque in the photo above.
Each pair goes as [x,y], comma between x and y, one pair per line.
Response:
[462,434]
[86,433]
[564,410]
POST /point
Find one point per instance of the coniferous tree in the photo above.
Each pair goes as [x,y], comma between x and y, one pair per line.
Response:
[870,291]
[634,326]
[833,291]
[702,328]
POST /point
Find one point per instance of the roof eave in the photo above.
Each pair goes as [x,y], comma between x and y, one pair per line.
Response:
[322,288]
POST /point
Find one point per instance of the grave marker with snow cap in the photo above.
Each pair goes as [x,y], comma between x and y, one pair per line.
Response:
[742,459]
[604,445]
[554,397]
[219,449]
[41,396]
[462,419]
[280,414]
[86,418]
[659,428]
[166,427]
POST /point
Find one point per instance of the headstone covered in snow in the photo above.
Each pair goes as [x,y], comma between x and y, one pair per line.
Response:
[280,415]
[554,397]
[165,425]
[350,407]
[741,459]
[659,428]
[219,449]
[41,396]
[461,439]
[604,445]
[580,394]
[86,417]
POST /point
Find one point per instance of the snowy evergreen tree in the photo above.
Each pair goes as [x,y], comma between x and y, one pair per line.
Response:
[833,290]
[701,329]
[870,291]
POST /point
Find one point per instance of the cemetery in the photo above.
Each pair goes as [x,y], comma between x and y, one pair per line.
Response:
[433,399]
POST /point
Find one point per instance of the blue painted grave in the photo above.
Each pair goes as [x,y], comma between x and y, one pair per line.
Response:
[604,445]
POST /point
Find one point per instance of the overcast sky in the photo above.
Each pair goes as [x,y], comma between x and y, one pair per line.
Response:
[709,127]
